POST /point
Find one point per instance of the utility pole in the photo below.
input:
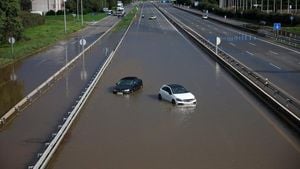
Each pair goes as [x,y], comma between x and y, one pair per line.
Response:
[280,6]
[267,6]
[81,13]
[288,6]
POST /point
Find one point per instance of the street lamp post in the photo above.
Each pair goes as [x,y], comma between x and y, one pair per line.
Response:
[77,10]
[81,13]
[65,18]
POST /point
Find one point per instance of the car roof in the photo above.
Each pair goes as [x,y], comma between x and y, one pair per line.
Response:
[172,86]
[129,78]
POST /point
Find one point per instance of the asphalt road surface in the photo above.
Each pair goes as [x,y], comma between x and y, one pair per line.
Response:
[33,71]
[278,64]
[229,128]
[25,137]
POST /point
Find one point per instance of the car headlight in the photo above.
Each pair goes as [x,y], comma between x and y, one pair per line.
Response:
[178,99]
[126,90]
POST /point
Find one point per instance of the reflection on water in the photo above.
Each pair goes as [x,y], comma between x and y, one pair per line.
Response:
[182,114]
[11,90]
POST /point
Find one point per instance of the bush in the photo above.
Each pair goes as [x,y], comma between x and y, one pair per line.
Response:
[29,19]
[50,13]
[60,12]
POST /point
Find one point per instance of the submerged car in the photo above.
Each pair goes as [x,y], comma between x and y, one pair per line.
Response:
[152,17]
[127,85]
[205,16]
[176,94]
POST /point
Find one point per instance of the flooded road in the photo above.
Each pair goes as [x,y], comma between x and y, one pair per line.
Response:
[229,128]
[33,71]
[279,64]
[31,129]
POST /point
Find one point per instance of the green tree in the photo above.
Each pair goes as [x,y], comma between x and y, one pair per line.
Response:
[10,24]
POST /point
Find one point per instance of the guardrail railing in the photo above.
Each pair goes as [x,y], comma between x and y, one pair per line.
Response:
[280,100]
[45,86]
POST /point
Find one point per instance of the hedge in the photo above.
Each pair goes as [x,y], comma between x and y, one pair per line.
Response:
[29,19]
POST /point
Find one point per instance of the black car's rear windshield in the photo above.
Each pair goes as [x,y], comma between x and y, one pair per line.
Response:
[125,82]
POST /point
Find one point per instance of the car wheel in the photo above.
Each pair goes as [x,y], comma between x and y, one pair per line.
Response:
[173,102]
[159,97]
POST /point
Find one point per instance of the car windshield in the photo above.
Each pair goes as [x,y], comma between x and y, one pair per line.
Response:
[125,82]
[178,89]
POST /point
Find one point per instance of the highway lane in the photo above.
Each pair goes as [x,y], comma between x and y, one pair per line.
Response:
[33,71]
[277,63]
[229,128]
[25,137]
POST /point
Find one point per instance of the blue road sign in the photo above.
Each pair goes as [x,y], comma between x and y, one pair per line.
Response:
[277,26]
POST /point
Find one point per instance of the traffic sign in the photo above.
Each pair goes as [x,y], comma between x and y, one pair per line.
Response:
[11,40]
[277,26]
[82,42]
[218,40]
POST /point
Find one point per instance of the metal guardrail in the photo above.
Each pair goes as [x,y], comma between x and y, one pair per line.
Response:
[273,95]
[52,146]
[45,86]
[58,137]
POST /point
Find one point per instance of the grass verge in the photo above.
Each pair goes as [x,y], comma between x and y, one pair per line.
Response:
[125,22]
[38,37]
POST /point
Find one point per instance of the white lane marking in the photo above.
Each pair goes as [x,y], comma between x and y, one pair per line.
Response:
[273,52]
[236,31]
[275,66]
[232,44]
[249,53]
[252,44]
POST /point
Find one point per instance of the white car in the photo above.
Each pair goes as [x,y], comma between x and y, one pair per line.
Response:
[177,95]
[205,16]
[152,17]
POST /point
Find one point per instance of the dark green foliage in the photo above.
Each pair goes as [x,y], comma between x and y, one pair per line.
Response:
[29,19]
[10,21]
[50,13]
[60,12]
[26,5]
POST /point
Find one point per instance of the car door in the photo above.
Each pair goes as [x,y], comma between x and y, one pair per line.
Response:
[167,93]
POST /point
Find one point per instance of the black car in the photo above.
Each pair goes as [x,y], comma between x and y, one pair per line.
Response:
[128,85]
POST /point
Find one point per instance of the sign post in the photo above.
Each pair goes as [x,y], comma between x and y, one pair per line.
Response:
[218,41]
[276,28]
[12,41]
[83,73]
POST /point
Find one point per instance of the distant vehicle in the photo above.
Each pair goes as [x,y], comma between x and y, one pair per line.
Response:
[205,16]
[37,12]
[177,95]
[109,12]
[105,10]
[143,16]
[152,17]
[120,9]
[127,85]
